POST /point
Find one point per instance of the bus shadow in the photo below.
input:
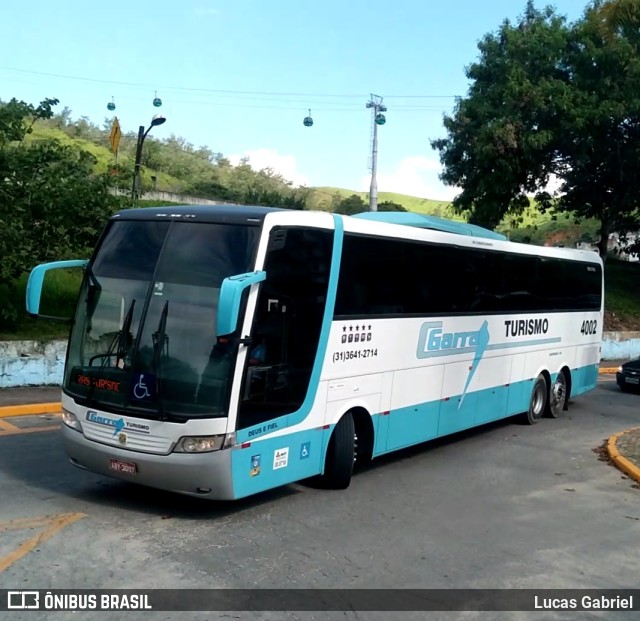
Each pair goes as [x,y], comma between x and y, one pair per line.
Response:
[41,464]
[170,505]
[426,447]
[38,463]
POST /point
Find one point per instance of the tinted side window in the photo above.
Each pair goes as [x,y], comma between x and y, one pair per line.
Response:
[584,286]
[398,277]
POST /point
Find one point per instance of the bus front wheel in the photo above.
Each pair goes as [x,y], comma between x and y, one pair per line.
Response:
[538,401]
[339,461]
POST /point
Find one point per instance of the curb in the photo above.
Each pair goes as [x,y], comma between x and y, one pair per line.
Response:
[608,370]
[30,409]
[621,462]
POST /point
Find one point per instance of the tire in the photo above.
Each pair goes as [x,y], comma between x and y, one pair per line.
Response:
[557,396]
[538,400]
[339,461]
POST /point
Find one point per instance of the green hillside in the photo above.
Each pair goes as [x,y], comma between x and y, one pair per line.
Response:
[105,160]
[531,226]
[321,198]
[197,172]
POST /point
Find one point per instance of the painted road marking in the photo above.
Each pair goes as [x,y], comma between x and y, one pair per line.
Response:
[16,431]
[10,429]
[5,426]
[51,523]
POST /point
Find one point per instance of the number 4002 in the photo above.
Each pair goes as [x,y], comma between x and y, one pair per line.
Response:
[589,327]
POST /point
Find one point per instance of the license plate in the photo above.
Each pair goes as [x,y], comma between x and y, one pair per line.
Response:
[632,380]
[128,467]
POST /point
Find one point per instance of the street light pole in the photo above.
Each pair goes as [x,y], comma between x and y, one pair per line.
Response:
[158,119]
[378,119]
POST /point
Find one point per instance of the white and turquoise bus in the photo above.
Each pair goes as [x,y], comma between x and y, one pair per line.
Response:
[223,351]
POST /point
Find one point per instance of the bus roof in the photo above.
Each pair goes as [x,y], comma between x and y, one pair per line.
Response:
[241,213]
[429,222]
[227,213]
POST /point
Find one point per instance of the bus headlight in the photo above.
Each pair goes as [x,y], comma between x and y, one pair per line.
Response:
[204,444]
[71,420]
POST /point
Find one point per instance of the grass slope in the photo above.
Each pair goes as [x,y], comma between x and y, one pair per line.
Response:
[104,157]
[411,203]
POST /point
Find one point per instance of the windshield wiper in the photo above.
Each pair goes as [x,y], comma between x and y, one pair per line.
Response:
[119,341]
[159,337]
[124,342]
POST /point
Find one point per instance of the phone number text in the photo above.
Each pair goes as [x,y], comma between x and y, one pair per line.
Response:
[343,356]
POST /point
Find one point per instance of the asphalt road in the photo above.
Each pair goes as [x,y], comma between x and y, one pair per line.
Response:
[505,506]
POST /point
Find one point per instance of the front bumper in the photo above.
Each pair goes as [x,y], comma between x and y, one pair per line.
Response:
[206,475]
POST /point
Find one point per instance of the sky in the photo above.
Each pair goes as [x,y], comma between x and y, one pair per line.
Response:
[239,76]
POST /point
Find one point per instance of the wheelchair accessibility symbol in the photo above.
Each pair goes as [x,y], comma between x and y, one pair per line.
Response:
[143,386]
[305,450]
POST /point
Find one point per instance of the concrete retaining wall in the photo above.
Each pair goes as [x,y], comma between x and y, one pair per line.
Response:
[620,345]
[33,363]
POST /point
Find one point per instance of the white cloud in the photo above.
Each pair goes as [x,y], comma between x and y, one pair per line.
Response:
[415,175]
[285,165]
[206,10]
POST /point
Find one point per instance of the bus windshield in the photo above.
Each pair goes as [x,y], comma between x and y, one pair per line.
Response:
[145,338]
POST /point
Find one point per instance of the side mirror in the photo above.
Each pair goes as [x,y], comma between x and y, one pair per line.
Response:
[36,281]
[230,297]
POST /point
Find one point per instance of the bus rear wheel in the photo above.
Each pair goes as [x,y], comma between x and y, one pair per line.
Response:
[557,396]
[538,401]
[340,457]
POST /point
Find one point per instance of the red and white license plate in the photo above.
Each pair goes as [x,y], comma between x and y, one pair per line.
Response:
[128,467]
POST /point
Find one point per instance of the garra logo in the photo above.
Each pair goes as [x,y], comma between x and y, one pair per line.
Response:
[117,423]
[433,341]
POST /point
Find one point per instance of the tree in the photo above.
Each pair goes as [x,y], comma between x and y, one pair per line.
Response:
[390,206]
[619,16]
[548,98]
[52,204]
[17,119]
[351,205]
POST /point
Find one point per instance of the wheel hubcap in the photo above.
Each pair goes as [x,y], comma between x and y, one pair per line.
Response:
[558,393]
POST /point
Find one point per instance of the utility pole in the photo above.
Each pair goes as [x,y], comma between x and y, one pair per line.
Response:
[377,107]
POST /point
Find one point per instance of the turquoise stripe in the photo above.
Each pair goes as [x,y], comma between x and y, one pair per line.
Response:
[470,350]
[529,343]
[426,421]
[401,428]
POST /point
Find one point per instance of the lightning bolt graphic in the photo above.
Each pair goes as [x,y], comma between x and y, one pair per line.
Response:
[482,342]
[119,426]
